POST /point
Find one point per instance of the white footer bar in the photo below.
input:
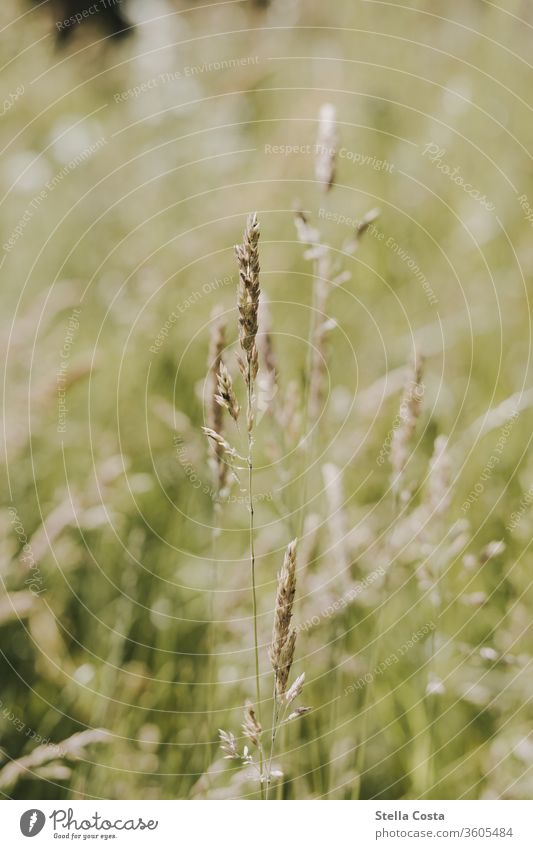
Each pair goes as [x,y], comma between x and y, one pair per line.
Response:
[263,825]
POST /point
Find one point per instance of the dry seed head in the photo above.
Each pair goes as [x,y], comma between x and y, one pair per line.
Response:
[228,745]
[248,297]
[493,549]
[367,219]
[285,663]
[215,418]
[226,396]
[410,411]
[250,414]
[268,356]
[326,147]
[320,335]
[219,440]
[439,477]
[295,689]
[300,711]
[283,636]
[73,748]
[306,233]
[361,228]
[251,726]
[216,347]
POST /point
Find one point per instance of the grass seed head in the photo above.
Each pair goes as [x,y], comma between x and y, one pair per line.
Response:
[248,297]
[215,417]
[228,745]
[225,396]
[307,234]
[326,147]
[410,412]
[251,726]
[283,636]
[219,440]
[298,712]
[439,477]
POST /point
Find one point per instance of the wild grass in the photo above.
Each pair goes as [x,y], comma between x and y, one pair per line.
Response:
[133,559]
[281,651]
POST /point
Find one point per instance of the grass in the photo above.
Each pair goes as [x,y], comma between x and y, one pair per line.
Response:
[141,626]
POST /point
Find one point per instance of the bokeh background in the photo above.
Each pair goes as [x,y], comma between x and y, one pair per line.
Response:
[127,169]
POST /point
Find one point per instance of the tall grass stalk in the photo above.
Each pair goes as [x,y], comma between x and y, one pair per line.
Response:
[325,166]
[284,636]
[438,500]
[220,473]
[252,570]
[282,652]
[248,304]
[409,413]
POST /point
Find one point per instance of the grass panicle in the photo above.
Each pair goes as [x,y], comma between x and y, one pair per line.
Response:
[48,760]
[215,413]
[326,147]
[439,490]
[281,652]
[251,726]
[283,635]
[225,396]
[408,416]
[220,442]
[248,299]
[362,227]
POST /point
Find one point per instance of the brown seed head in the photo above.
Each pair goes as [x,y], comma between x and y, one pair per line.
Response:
[300,711]
[220,442]
[410,411]
[226,396]
[251,726]
[285,663]
[215,418]
[283,636]
[248,297]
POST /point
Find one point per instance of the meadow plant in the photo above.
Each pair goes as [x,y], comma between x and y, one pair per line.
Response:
[284,636]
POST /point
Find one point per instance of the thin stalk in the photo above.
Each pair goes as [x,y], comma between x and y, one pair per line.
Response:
[211,701]
[278,718]
[275,712]
[252,559]
[431,712]
[365,707]
[254,594]
[252,549]
[374,657]
[308,438]
[430,697]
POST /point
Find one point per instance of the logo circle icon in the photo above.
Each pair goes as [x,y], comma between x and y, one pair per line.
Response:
[32,822]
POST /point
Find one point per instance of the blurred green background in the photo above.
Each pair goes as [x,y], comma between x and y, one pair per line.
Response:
[127,171]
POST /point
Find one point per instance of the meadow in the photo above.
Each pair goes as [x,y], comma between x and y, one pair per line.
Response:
[372,161]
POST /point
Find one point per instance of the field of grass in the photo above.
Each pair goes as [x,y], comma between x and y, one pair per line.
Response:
[127,174]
